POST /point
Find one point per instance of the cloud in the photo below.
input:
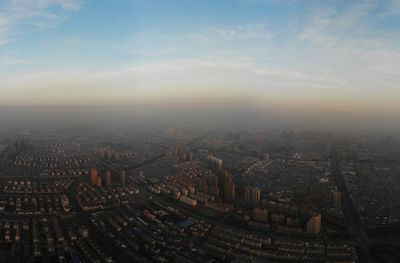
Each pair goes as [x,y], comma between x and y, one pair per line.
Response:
[31,13]
[206,40]
[337,54]
[221,35]
[286,2]
[231,73]
[359,21]
[189,80]
[7,61]
[393,8]
[346,44]
[4,41]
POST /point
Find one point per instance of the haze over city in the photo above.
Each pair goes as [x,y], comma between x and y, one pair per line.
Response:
[199,131]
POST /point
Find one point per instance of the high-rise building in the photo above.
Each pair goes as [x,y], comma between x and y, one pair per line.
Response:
[294,222]
[252,197]
[214,163]
[247,194]
[222,178]
[109,154]
[260,215]
[229,191]
[170,131]
[212,180]
[84,231]
[93,175]
[336,199]
[203,187]
[98,181]
[213,190]
[122,177]
[107,179]
[314,224]
[191,189]
[265,157]
[278,218]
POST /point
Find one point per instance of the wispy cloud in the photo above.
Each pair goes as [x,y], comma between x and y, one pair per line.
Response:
[347,44]
[199,41]
[30,13]
[185,79]
[356,21]
[222,35]
[338,52]
[9,61]
[286,2]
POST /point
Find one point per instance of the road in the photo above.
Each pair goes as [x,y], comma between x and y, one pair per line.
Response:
[351,215]
[160,156]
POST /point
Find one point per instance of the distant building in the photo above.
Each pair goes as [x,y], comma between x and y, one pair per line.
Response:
[260,215]
[252,197]
[293,222]
[170,131]
[179,153]
[122,177]
[107,178]
[265,157]
[212,180]
[213,191]
[229,191]
[93,175]
[223,178]
[214,164]
[336,199]
[177,195]
[203,187]
[278,218]
[188,200]
[109,154]
[84,232]
[191,189]
[98,181]
[314,224]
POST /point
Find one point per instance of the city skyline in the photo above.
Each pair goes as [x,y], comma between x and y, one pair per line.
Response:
[193,131]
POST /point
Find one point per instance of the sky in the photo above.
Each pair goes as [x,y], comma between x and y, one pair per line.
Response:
[328,56]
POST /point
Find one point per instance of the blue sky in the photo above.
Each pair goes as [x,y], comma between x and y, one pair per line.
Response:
[330,54]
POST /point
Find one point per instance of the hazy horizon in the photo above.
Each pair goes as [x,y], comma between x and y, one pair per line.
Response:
[202,116]
[323,64]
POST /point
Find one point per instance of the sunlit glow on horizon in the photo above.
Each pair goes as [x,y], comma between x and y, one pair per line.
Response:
[299,55]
